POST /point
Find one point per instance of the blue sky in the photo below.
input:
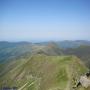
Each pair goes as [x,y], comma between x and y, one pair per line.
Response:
[42,20]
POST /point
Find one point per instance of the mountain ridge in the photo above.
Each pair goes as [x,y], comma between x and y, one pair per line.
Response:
[52,69]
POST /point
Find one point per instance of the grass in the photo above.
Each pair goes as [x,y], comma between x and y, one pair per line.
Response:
[48,72]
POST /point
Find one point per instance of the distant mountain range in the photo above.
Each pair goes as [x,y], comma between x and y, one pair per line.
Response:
[43,66]
[12,50]
[68,44]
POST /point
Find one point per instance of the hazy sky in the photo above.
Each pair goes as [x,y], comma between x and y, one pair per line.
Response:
[41,20]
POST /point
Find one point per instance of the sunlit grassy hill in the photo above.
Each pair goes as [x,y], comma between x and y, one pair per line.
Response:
[41,72]
[42,66]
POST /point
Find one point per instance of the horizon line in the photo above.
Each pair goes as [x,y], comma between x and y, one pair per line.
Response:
[40,41]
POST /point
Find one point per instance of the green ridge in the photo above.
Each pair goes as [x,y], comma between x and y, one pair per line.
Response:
[41,72]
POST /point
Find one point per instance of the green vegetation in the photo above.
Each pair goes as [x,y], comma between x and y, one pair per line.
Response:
[41,72]
[43,66]
[83,52]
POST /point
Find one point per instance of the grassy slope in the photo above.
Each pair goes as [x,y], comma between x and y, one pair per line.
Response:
[41,72]
[82,52]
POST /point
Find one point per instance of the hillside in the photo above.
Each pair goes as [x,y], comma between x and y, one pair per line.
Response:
[72,44]
[51,49]
[83,52]
[43,66]
[10,51]
[68,43]
[41,72]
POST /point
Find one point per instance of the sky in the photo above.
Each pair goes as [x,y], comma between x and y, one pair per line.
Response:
[44,20]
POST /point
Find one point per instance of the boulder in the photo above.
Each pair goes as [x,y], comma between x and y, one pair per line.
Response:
[85,82]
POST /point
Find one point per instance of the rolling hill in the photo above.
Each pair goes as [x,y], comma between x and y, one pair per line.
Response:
[10,51]
[43,66]
[67,43]
[83,52]
[42,72]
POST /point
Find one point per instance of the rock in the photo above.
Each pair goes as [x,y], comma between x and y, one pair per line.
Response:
[85,82]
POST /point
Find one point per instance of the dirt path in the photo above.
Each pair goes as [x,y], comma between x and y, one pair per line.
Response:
[68,86]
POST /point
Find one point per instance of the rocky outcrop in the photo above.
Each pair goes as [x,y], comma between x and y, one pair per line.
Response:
[85,82]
